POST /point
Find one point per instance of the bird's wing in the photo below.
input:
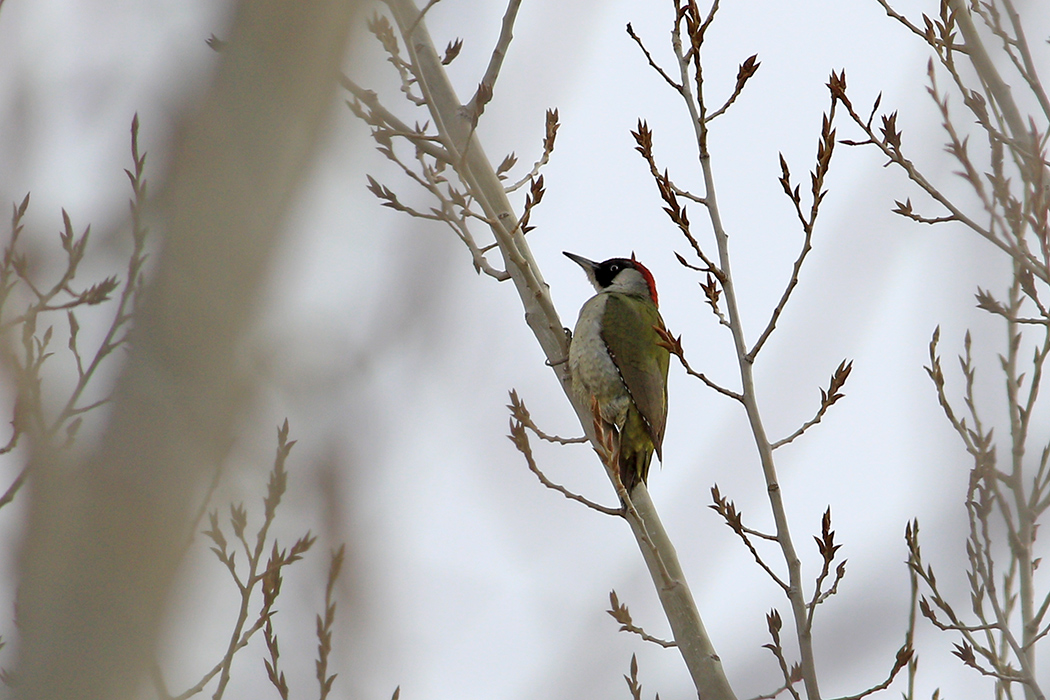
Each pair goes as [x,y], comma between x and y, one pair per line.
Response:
[644,371]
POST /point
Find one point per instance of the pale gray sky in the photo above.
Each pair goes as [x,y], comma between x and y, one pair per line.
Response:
[392,359]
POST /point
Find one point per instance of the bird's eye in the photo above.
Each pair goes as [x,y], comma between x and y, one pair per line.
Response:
[614,268]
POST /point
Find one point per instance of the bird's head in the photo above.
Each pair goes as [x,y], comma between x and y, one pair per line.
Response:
[625,275]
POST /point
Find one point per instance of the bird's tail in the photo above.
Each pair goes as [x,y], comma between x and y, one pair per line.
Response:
[636,451]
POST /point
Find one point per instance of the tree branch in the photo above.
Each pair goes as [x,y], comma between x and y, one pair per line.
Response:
[458,136]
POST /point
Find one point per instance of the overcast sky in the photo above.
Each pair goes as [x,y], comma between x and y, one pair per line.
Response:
[392,359]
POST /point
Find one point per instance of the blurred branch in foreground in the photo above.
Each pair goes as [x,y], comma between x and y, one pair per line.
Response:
[105,537]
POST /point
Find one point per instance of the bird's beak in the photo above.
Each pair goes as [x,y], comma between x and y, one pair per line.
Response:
[589,266]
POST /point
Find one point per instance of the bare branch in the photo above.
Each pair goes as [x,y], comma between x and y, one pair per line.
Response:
[548,147]
[733,518]
[619,612]
[903,658]
[926,35]
[521,441]
[691,81]
[670,193]
[747,69]
[655,66]
[827,400]
[791,675]
[889,142]
[520,413]
[506,34]
[325,624]
[16,485]
[828,550]
[378,115]
[825,149]
[984,65]
[1029,73]
[674,346]
[458,134]
[778,691]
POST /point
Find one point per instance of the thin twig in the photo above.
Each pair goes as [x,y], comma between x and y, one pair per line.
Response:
[904,656]
[827,400]
[890,147]
[324,625]
[733,518]
[621,614]
[521,440]
[550,134]
[825,149]
[520,413]
[773,694]
[16,485]
[674,346]
[506,34]
[744,73]
[378,114]
[652,63]
[791,675]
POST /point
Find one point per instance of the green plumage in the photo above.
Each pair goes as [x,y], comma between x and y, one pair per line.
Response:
[629,330]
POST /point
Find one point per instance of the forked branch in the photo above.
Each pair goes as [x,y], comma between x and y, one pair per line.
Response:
[621,614]
[456,128]
[520,438]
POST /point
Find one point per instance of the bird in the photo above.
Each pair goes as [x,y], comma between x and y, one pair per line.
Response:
[617,361]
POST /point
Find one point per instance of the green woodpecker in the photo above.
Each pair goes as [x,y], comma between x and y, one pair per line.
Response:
[616,360]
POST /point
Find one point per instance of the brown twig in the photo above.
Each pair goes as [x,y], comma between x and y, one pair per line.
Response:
[621,614]
[265,577]
[825,149]
[652,63]
[521,441]
[521,414]
[734,519]
[325,624]
[690,27]
[632,680]
[827,400]
[828,551]
[791,675]
[674,346]
[903,658]
[747,69]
